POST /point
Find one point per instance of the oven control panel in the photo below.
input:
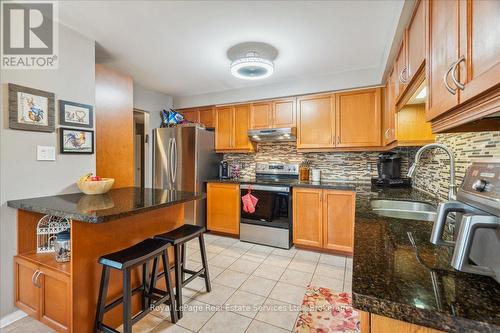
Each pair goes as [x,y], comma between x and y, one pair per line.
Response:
[483,179]
[277,169]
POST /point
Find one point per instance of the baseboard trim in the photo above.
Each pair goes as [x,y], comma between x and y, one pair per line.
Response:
[11,318]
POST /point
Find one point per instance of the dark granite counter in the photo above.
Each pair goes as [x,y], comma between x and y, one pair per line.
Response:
[100,208]
[398,273]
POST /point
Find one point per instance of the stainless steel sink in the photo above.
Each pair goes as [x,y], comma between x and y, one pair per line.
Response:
[411,210]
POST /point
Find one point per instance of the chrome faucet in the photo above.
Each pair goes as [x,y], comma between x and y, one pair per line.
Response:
[452,188]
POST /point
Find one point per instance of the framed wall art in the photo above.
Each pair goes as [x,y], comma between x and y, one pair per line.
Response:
[76,141]
[31,109]
[75,114]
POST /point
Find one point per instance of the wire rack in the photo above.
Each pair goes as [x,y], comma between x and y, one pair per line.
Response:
[47,229]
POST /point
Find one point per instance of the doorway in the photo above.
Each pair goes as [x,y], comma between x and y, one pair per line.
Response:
[139,150]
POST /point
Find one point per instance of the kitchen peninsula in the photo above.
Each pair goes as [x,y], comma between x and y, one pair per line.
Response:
[64,295]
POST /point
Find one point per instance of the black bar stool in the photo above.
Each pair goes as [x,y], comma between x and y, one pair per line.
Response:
[178,238]
[126,260]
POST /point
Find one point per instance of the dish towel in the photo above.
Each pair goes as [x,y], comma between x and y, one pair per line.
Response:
[249,201]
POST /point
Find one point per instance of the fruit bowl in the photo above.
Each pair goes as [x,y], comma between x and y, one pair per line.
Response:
[95,186]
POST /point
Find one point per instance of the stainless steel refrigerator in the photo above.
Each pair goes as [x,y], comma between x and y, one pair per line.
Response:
[183,159]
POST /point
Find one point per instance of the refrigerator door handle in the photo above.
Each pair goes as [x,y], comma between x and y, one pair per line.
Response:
[170,160]
[174,169]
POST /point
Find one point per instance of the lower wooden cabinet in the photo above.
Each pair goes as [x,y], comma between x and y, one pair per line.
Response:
[372,323]
[223,208]
[43,293]
[323,219]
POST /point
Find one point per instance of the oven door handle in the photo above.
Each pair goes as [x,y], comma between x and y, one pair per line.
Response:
[269,188]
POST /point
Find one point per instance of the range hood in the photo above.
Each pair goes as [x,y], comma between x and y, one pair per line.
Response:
[273,134]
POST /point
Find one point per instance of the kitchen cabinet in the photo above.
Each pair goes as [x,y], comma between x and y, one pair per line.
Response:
[323,219]
[381,324]
[463,62]
[389,129]
[43,293]
[415,41]
[231,128]
[316,121]
[411,127]
[307,217]
[261,115]
[223,208]
[190,114]
[206,116]
[273,114]
[358,118]
[401,70]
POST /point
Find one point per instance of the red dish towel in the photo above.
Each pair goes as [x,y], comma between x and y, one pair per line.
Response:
[249,201]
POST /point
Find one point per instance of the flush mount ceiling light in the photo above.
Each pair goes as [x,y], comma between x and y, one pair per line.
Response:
[252,60]
[252,67]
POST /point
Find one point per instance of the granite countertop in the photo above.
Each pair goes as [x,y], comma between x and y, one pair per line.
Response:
[100,208]
[416,284]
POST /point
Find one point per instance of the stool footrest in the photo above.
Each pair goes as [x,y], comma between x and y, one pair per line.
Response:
[200,273]
[106,329]
[119,300]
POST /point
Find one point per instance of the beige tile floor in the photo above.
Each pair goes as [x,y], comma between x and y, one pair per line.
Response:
[255,288]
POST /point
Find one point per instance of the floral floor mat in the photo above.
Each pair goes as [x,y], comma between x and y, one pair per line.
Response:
[326,311]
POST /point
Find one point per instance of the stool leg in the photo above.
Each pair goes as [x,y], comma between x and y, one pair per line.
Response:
[208,285]
[127,299]
[183,260]
[178,280]
[145,286]
[101,301]
[170,290]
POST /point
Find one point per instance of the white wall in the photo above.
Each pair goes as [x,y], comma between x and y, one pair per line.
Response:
[21,176]
[152,102]
[339,81]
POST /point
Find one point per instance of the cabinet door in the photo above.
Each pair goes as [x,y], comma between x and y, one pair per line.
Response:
[480,46]
[358,121]
[338,220]
[307,217]
[27,295]
[416,40]
[389,133]
[401,71]
[190,114]
[381,324]
[260,115]
[284,113]
[443,41]
[206,116]
[55,307]
[223,128]
[316,121]
[223,208]
[241,124]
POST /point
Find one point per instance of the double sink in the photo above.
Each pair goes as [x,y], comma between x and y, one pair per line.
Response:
[410,210]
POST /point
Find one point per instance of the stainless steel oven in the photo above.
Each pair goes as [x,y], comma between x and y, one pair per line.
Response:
[271,222]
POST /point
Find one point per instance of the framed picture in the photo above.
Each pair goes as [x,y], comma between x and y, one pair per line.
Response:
[76,141]
[75,114]
[31,109]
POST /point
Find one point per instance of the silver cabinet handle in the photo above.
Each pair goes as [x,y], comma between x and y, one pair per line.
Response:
[386,134]
[33,276]
[445,80]
[402,79]
[35,282]
[470,223]
[453,72]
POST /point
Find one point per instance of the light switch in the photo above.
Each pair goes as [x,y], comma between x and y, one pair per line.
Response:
[45,153]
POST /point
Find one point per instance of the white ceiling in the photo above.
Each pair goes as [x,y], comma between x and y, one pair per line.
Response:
[179,47]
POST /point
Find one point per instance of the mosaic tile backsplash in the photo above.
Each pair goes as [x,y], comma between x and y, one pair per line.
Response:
[432,174]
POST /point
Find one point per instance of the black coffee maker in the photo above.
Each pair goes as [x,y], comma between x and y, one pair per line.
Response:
[223,170]
[389,171]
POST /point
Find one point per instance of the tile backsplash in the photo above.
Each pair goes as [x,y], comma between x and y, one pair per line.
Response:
[433,172]
[432,175]
[335,166]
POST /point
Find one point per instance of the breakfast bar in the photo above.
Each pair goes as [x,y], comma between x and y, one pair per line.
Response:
[64,295]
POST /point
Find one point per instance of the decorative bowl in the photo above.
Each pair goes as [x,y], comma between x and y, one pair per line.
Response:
[96,186]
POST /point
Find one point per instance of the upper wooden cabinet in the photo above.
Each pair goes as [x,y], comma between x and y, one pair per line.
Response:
[358,118]
[316,121]
[415,41]
[223,208]
[323,218]
[190,114]
[401,70]
[231,128]
[273,114]
[389,128]
[463,61]
[206,116]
